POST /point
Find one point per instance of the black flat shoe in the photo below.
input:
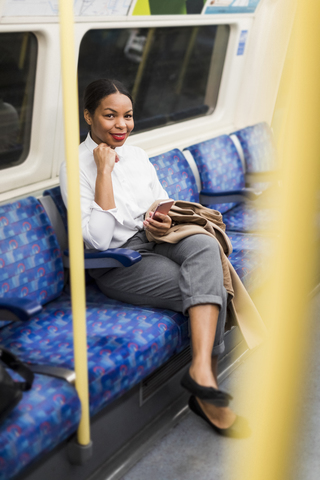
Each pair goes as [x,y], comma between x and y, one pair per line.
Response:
[207,394]
[239,429]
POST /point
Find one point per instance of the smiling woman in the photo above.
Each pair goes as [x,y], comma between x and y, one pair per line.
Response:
[118,185]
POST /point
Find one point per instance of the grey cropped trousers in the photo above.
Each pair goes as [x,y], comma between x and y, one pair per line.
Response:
[172,276]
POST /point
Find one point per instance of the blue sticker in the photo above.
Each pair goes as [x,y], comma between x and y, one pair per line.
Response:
[242,42]
[231,6]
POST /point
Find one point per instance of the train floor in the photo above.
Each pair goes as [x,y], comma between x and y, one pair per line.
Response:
[192,451]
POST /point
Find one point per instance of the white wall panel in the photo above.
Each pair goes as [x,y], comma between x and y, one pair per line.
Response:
[264,62]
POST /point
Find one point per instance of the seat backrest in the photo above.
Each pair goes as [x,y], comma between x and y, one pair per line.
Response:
[176,176]
[258,147]
[55,194]
[219,166]
[30,257]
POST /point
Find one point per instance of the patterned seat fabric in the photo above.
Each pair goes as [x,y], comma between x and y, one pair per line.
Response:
[176,176]
[247,218]
[259,151]
[30,258]
[250,258]
[258,147]
[220,167]
[47,415]
[125,343]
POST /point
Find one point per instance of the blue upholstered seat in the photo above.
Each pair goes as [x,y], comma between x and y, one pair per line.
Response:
[248,218]
[125,343]
[220,168]
[47,415]
[258,147]
[250,258]
[259,151]
[220,171]
[176,176]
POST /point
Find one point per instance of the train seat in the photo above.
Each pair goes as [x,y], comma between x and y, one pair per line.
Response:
[223,181]
[46,416]
[251,257]
[125,343]
[176,176]
[256,144]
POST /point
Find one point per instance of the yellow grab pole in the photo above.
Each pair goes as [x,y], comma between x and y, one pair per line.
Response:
[276,389]
[71,126]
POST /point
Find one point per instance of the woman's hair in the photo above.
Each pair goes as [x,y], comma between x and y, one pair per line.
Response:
[100,89]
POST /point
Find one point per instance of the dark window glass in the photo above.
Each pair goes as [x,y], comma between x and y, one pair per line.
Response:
[173,73]
[18,58]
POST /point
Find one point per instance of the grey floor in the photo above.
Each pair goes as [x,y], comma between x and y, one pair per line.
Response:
[193,451]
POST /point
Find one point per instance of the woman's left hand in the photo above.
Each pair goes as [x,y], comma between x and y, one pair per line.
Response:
[159,225]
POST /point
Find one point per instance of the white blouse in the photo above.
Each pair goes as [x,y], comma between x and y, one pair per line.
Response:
[135,186]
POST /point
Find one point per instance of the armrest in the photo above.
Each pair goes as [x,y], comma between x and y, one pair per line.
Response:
[207,197]
[14,309]
[113,257]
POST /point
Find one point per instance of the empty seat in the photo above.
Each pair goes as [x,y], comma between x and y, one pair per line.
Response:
[222,179]
[259,152]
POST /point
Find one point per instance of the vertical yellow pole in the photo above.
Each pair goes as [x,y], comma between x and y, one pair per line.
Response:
[71,125]
[277,387]
[142,65]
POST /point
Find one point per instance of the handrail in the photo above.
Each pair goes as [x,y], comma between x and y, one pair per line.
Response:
[71,127]
[277,385]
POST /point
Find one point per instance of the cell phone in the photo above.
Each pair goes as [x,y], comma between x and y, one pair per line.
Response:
[163,207]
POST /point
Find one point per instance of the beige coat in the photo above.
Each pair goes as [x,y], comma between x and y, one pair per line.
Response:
[192,218]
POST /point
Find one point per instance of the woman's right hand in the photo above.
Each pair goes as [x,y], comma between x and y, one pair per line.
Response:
[105,158]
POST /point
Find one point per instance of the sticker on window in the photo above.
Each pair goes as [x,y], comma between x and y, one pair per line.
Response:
[242,42]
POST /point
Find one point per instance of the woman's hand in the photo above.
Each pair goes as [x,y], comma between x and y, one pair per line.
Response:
[105,158]
[159,225]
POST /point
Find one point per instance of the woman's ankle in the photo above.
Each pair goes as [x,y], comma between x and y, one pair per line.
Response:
[202,374]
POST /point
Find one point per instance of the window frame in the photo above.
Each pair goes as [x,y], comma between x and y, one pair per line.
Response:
[34,169]
[213,70]
[174,135]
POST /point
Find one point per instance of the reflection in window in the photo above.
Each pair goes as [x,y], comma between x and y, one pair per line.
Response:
[18,54]
[173,73]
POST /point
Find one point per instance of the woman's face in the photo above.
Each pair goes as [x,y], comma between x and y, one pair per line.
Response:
[112,121]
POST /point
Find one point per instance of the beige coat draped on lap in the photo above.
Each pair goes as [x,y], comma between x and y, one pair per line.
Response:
[192,218]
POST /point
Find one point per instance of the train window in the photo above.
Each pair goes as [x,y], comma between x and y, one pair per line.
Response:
[173,73]
[18,57]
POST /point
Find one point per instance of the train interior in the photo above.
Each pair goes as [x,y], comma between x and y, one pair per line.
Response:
[206,78]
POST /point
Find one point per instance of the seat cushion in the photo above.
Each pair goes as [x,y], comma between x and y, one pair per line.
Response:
[125,343]
[176,176]
[250,258]
[249,218]
[94,295]
[47,415]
